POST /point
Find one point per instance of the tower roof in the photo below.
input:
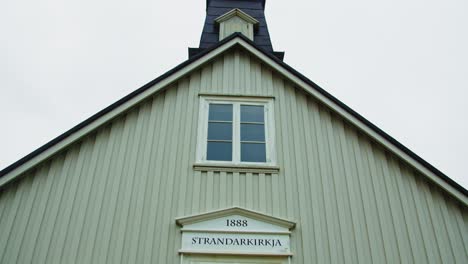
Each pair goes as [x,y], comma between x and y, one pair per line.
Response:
[261,1]
[217,8]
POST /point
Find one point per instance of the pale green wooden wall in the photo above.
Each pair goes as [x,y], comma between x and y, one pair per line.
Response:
[113,196]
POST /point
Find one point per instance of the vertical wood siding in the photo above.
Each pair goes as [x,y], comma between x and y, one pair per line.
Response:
[113,196]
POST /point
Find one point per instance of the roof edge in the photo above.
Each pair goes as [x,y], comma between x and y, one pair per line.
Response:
[109,108]
[289,69]
[360,118]
[263,3]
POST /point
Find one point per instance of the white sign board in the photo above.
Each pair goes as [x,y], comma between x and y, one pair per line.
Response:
[236,223]
[235,243]
[236,234]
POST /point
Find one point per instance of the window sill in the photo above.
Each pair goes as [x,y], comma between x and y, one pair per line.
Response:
[236,168]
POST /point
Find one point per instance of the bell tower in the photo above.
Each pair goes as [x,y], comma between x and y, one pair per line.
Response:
[225,17]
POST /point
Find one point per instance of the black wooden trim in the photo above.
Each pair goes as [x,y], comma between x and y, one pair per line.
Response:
[362,119]
[110,108]
[271,56]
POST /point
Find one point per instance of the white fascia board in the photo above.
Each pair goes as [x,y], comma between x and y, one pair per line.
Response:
[186,220]
[114,113]
[279,69]
[351,118]
[239,13]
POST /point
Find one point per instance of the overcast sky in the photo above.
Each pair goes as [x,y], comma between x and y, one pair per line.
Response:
[402,64]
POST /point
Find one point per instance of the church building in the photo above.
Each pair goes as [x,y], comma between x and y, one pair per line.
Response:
[231,157]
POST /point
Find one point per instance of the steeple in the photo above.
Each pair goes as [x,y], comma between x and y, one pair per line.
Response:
[246,17]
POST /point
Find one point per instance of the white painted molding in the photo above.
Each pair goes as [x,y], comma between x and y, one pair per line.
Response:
[186,220]
[279,69]
[235,232]
[358,123]
[239,13]
[232,253]
[114,113]
[236,168]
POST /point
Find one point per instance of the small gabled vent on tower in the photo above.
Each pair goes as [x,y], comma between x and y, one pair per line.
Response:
[236,21]
[213,31]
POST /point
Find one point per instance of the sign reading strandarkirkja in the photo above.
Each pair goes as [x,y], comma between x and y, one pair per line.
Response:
[235,243]
[235,234]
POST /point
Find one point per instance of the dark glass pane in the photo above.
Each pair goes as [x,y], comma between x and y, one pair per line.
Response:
[219,131]
[219,151]
[252,132]
[252,152]
[220,112]
[252,113]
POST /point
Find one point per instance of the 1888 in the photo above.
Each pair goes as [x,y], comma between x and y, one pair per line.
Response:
[236,222]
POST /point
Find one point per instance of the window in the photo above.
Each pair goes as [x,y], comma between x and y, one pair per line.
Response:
[236,131]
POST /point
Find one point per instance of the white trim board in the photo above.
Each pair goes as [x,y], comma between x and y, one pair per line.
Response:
[114,113]
[237,41]
[236,12]
[187,220]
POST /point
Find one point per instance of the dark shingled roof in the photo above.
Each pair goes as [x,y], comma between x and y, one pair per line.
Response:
[216,8]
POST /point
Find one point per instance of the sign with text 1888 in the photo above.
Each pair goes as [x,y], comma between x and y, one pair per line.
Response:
[236,234]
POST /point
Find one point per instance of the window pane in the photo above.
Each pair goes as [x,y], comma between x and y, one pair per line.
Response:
[252,132]
[252,152]
[219,151]
[219,131]
[220,112]
[252,113]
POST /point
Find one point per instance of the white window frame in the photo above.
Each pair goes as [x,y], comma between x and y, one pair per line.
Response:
[202,138]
